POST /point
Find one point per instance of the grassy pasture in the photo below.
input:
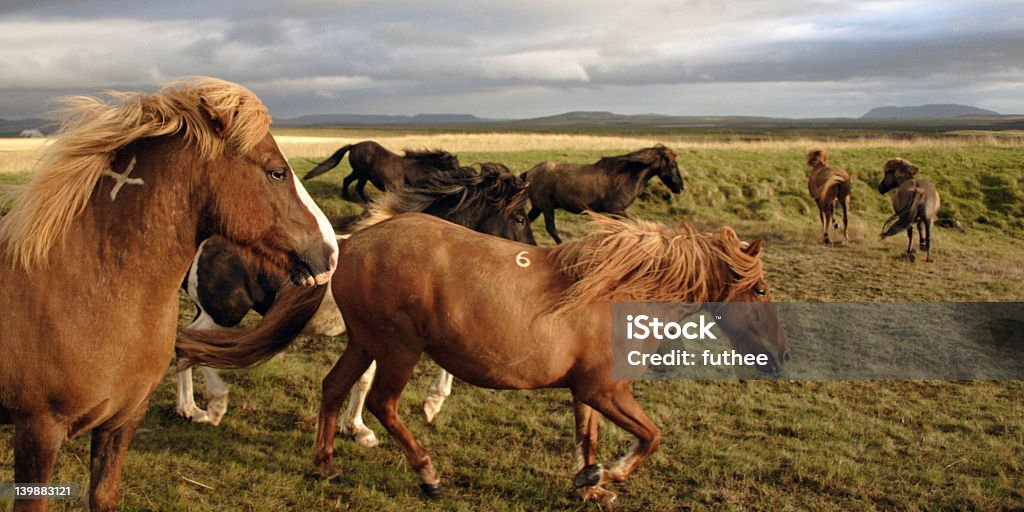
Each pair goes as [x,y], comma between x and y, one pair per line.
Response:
[726,446]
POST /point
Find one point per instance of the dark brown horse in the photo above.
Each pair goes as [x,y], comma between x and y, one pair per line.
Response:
[94,248]
[915,202]
[374,163]
[224,288]
[609,185]
[519,317]
[828,186]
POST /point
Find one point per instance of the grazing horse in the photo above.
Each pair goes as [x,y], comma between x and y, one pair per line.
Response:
[224,289]
[828,185]
[915,202]
[372,162]
[520,317]
[94,247]
[609,185]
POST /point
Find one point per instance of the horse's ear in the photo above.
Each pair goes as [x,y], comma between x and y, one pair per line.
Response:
[752,248]
[217,122]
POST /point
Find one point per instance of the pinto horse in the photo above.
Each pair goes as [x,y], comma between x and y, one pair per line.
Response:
[224,289]
[110,222]
[915,201]
[520,317]
[374,163]
[609,185]
[828,186]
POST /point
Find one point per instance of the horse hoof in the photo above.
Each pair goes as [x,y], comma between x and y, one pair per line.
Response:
[589,476]
[431,491]
[335,480]
[911,258]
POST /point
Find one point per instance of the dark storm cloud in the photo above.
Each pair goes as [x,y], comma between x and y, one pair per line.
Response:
[516,58]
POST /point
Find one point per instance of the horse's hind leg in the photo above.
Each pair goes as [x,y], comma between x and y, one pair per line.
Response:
[926,239]
[824,225]
[109,445]
[846,221]
[361,189]
[534,213]
[353,423]
[910,244]
[549,225]
[350,366]
[619,406]
[345,183]
[392,376]
[587,423]
[37,441]
[218,390]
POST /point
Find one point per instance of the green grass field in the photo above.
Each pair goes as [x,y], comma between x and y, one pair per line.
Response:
[725,446]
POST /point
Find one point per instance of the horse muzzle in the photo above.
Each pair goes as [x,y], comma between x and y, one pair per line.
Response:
[314,269]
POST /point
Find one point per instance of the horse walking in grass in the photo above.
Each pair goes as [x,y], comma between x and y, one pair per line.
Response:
[519,317]
[828,185]
[609,185]
[224,289]
[914,202]
[94,247]
[374,163]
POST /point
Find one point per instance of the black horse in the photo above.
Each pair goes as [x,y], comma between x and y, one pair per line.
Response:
[386,170]
[224,288]
[609,185]
[914,202]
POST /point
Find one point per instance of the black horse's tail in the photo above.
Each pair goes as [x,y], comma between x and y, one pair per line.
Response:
[244,347]
[328,164]
[904,218]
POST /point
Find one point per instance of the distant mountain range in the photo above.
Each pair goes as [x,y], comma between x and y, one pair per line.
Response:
[378,120]
[11,128]
[933,111]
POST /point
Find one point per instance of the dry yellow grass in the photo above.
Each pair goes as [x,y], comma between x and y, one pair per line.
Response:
[18,155]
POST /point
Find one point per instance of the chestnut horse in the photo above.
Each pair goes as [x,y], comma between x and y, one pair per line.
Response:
[374,163]
[519,317]
[108,224]
[828,185]
[224,289]
[915,201]
[609,185]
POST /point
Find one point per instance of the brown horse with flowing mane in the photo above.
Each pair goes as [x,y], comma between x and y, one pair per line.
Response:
[609,185]
[374,163]
[828,186]
[94,248]
[519,317]
[914,202]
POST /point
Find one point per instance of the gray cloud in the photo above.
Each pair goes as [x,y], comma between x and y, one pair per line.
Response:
[511,59]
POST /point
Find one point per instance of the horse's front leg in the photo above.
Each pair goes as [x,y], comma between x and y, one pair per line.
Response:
[353,424]
[618,405]
[109,446]
[439,392]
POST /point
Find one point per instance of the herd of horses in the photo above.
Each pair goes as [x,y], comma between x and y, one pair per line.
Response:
[138,190]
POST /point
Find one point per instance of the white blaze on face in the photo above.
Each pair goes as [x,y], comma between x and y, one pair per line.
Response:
[326,231]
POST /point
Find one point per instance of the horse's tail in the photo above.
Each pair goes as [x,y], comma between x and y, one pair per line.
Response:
[835,180]
[904,218]
[328,164]
[244,347]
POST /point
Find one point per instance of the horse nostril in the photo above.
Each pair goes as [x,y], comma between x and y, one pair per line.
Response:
[785,357]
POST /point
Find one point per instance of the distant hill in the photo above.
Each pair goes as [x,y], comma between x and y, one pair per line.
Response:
[378,120]
[927,111]
[11,128]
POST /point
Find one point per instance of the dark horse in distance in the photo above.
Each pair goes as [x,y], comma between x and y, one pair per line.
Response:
[609,185]
[375,163]
[915,202]
[828,186]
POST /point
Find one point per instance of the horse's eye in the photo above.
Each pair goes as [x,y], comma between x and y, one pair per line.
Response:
[277,174]
[761,291]
[519,219]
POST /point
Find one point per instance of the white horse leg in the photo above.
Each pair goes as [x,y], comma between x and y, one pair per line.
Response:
[186,405]
[218,391]
[439,391]
[353,422]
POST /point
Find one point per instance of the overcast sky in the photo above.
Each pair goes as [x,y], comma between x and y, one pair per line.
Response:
[521,58]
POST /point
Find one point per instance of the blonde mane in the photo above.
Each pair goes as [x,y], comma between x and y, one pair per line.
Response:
[643,261]
[213,116]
